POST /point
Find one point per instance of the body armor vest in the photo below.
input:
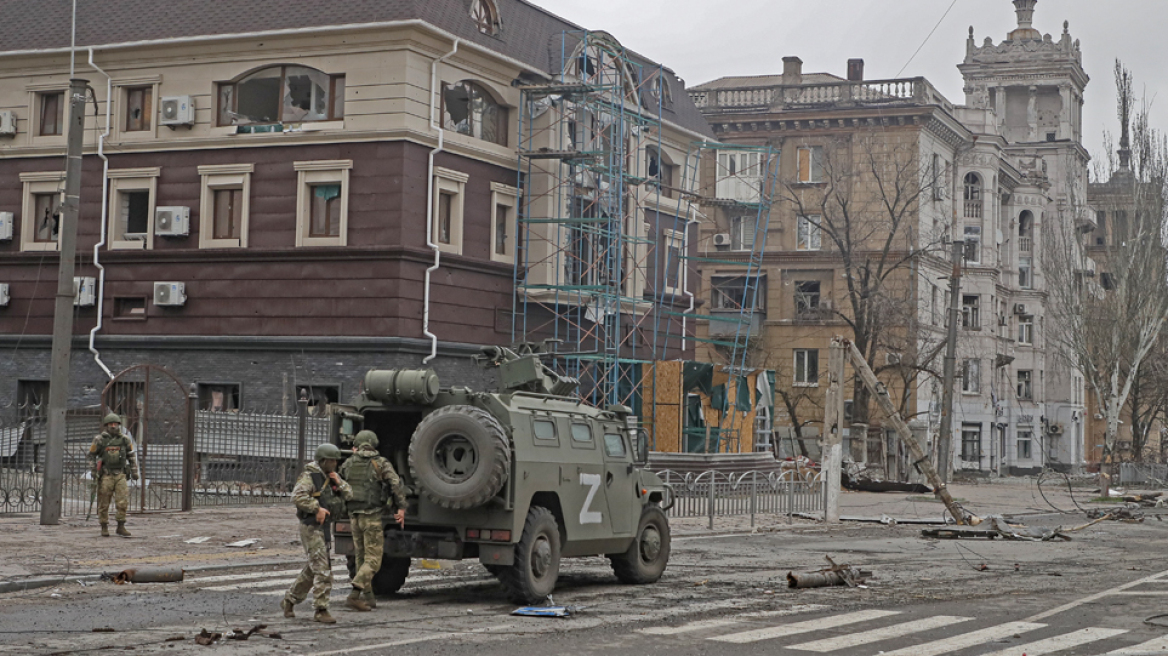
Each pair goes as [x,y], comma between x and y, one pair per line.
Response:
[322,491]
[364,476]
[114,453]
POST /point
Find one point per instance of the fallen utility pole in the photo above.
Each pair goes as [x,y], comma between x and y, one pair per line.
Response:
[63,310]
[880,392]
[945,434]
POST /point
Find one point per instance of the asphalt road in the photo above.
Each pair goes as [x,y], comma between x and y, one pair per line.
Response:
[722,594]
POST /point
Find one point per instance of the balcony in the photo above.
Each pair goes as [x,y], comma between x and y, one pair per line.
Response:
[973,209]
[1025,244]
[883,93]
[735,324]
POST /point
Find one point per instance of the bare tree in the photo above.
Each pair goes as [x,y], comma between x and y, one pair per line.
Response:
[866,212]
[1108,325]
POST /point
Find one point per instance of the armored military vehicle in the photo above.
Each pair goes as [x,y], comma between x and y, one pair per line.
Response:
[518,478]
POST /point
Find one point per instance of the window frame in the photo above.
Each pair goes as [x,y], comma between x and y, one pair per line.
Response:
[335,112]
[489,23]
[316,173]
[814,161]
[130,180]
[1026,329]
[504,196]
[973,194]
[207,386]
[620,435]
[669,240]
[808,308]
[971,236]
[147,119]
[809,233]
[801,377]
[502,117]
[454,183]
[554,440]
[38,183]
[62,115]
[966,430]
[971,312]
[718,282]
[1025,272]
[1024,437]
[1025,388]
[971,376]
[223,176]
[116,313]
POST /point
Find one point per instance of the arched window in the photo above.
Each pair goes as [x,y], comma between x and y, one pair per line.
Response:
[282,94]
[485,15]
[468,108]
[973,196]
[1026,231]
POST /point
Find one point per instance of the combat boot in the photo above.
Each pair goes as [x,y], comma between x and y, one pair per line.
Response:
[105,530]
[322,616]
[287,607]
[369,599]
[122,530]
[354,601]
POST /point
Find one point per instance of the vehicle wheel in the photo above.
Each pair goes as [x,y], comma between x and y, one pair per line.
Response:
[391,577]
[351,565]
[537,559]
[459,457]
[648,555]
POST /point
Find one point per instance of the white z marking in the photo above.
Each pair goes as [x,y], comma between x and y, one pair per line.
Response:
[590,516]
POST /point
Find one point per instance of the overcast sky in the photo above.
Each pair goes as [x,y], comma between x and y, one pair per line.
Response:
[705,39]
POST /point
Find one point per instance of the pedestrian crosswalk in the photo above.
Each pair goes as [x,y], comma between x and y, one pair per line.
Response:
[903,633]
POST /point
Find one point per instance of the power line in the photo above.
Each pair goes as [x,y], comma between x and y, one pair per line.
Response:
[918,51]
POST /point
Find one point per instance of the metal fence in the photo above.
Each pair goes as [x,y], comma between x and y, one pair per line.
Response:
[237,459]
[1131,473]
[716,494]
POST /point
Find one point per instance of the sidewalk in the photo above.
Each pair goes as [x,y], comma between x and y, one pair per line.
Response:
[74,547]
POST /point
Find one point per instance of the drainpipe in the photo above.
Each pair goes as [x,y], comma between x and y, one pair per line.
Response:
[434,125]
[104,216]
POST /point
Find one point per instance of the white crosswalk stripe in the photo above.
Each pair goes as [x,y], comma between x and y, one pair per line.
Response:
[1153,647]
[966,640]
[877,635]
[704,625]
[1059,642]
[808,626]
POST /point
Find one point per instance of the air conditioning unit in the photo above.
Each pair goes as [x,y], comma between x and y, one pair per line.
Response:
[722,239]
[178,110]
[1055,429]
[6,221]
[4,295]
[84,291]
[7,123]
[170,293]
[891,358]
[1019,308]
[172,221]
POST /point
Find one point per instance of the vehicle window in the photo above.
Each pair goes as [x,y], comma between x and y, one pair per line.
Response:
[581,433]
[545,429]
[614,444]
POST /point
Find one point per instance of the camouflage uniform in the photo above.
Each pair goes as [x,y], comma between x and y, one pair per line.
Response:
[317,575]
[365,510]
[115,451]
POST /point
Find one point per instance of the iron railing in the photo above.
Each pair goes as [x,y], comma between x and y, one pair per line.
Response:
[717,494]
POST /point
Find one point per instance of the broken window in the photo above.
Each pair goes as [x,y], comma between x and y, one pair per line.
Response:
[971,442]
[806,366]
[130,307]
[806,296]
[227,218]
[219,397]
[734,292]
[324,210]
[972,244]
[52,113]
[485,16]
[133,214]
[32,397]
[468,108]
[139,103]
[47,216]
[811,164]
[1025,385]
[282,94]
[971,377]
[971,312]
[319,396]
[809,234]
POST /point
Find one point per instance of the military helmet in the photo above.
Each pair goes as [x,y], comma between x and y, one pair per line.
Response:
[327,452]
[366,437]
[111,418]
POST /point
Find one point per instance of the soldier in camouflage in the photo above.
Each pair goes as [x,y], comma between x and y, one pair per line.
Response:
[376,487]
[319,496]
[112,458]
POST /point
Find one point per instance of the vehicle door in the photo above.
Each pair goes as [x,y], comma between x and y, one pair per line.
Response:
[585,500]
[619,481]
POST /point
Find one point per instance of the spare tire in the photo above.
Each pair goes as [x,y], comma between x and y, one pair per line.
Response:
[459,457]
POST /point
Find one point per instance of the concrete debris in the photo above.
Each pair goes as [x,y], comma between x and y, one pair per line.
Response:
[199,540]
[244,543]
[830,576]
[1129,514]
[155,575]
[258,629]
[206,638]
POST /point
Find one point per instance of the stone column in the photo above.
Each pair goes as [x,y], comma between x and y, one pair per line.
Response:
[1032,114]
[1066,130]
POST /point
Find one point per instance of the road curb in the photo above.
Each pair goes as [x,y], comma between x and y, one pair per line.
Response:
[46,582]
